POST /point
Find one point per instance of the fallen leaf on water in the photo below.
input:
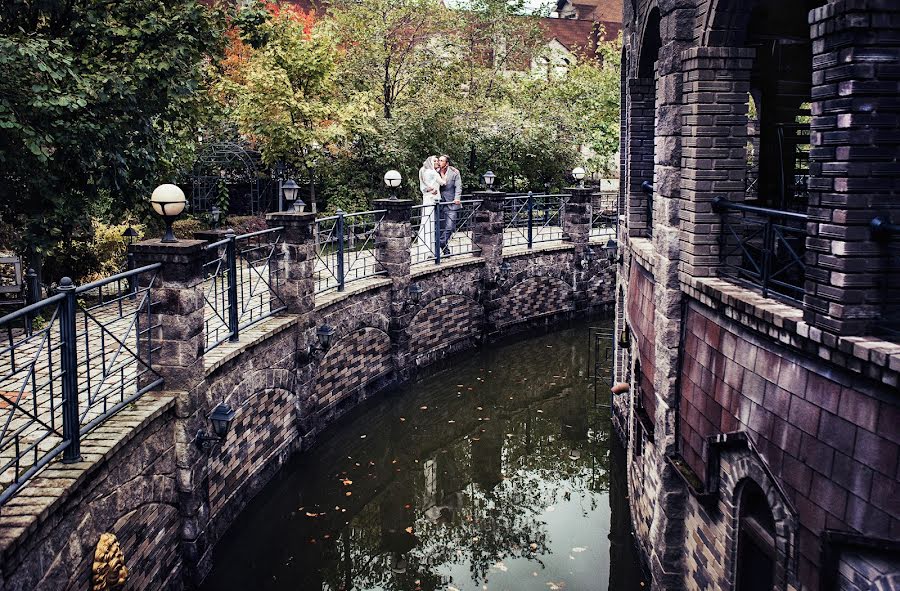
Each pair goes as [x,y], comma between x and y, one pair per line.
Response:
[451,421]
[533,546]
[501,567]
[308,514]
[347,482]
[348,493]
[393,461]
[402,419]
[408,530]
[460,385]
[407,506]
[551,509]
[451,588]
[423,408]
[362,436]
[578,549]
[480,408]
[533,573]
[539,410]
[571,557]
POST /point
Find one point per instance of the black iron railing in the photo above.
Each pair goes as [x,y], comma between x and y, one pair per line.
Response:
[68,363]
[243,275]
[453,229]
[345,248]
[531,218]
[763,248]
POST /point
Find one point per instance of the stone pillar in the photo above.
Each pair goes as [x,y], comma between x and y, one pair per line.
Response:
[393,240]
[576,219]
[850,281]
[713,147]
[177,310]
[640,94]
[296,287]
[488,236]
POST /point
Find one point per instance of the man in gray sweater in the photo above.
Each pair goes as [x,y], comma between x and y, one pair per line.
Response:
[451,192]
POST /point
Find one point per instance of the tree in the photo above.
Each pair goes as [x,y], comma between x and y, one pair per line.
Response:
[99,101]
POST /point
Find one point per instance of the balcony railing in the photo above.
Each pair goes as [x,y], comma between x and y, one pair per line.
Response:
[345,248]
[531,218]
[763,248]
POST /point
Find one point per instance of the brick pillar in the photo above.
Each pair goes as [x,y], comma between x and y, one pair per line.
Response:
[576,219]
[639,164]
[854,173]
[297,287]
[487,234]
[713,147]
[393,240]
[177,310]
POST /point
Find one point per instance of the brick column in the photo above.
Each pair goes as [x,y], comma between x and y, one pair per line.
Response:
[488,236]
[576,219]
[297,287]
[393,240]
[641,113]
[854,176]
[177,309]
[713,147]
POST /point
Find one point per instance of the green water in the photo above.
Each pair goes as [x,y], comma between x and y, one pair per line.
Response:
[501,472]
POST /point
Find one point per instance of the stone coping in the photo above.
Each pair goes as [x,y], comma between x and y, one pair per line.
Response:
[642,249]
[427,268]
[523,250]
[870,356]
[39,498]
[248,337]
[324,300]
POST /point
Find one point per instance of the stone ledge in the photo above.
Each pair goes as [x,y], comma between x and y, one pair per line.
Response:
[872,357]
[350,289]
[539,247]
[45,493]
[427,268]
[249,337]
[642,249]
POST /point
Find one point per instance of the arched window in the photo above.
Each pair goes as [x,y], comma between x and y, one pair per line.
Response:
[756,540]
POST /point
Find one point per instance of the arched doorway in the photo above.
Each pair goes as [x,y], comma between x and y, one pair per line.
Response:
[756,551]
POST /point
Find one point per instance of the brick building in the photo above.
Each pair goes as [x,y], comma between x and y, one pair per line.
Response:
[759,291]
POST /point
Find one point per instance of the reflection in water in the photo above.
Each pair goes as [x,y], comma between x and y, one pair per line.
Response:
[496,474]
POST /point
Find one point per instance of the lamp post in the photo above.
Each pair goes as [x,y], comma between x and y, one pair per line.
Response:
[392,179]
[168,201]
[489,178]
[215,214]
[579,172]
[290,189]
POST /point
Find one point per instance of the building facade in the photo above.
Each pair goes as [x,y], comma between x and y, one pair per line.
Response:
[759,290]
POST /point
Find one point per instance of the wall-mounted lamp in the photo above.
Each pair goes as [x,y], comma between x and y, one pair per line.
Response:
[503,271]
[612,251]
[588,258]
[221,418]
[325,334]
[625,338]
[415,293]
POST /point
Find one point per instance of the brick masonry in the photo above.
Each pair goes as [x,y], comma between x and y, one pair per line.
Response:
[641,313]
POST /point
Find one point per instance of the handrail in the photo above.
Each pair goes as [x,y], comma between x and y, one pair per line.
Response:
[720,204]
[117,277]
[30,308]
[260,232]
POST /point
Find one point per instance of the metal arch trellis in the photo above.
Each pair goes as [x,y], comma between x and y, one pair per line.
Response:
[237,164]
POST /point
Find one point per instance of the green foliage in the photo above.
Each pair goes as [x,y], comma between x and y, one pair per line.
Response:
[97,98]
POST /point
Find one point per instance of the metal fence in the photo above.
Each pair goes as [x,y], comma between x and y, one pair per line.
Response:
[763,248]
[68,363]
[243,274]
[345,249]
[531,218]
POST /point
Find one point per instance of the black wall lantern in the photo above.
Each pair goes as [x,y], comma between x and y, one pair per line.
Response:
[215,214]
[415,293]
[221,418]
[625,338]
[504,270]
[489,177]
[325,334]
[611,248]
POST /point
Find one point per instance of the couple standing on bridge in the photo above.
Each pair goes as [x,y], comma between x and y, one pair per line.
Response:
[440,183]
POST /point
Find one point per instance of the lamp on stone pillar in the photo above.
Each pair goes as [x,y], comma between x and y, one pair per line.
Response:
[392,179]
[168,201]
[215,214]
[578,173]
[290,189]
[489,178]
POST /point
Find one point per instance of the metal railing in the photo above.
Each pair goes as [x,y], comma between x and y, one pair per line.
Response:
[424,241]
[453,229]
[68,363]
[243,275]
[531,218]
[345,249]
[763,248]
[603,223]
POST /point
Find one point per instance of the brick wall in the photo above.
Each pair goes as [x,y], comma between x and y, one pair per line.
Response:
[641,313]
[132,495]
[351,363]
[830,438]
[534,297]
[443,322]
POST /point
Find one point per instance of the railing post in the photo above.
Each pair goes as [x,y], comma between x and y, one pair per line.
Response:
[438,214]
[231,261]
[393,241]
[340,252]
[69,362]
[297,290]
[767,246]
[32,294]
[530,219]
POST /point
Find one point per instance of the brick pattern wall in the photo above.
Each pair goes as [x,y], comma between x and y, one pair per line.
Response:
[262,425]
[851,279]
[830,439]
[351,363]
[444,321]
[535,296]
[641,117]
[641,313]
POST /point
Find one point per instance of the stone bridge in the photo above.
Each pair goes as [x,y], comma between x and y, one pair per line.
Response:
[142,475]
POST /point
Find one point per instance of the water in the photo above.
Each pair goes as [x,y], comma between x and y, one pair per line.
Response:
[494,474]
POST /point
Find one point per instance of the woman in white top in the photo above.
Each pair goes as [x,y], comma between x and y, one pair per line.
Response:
[430,182]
